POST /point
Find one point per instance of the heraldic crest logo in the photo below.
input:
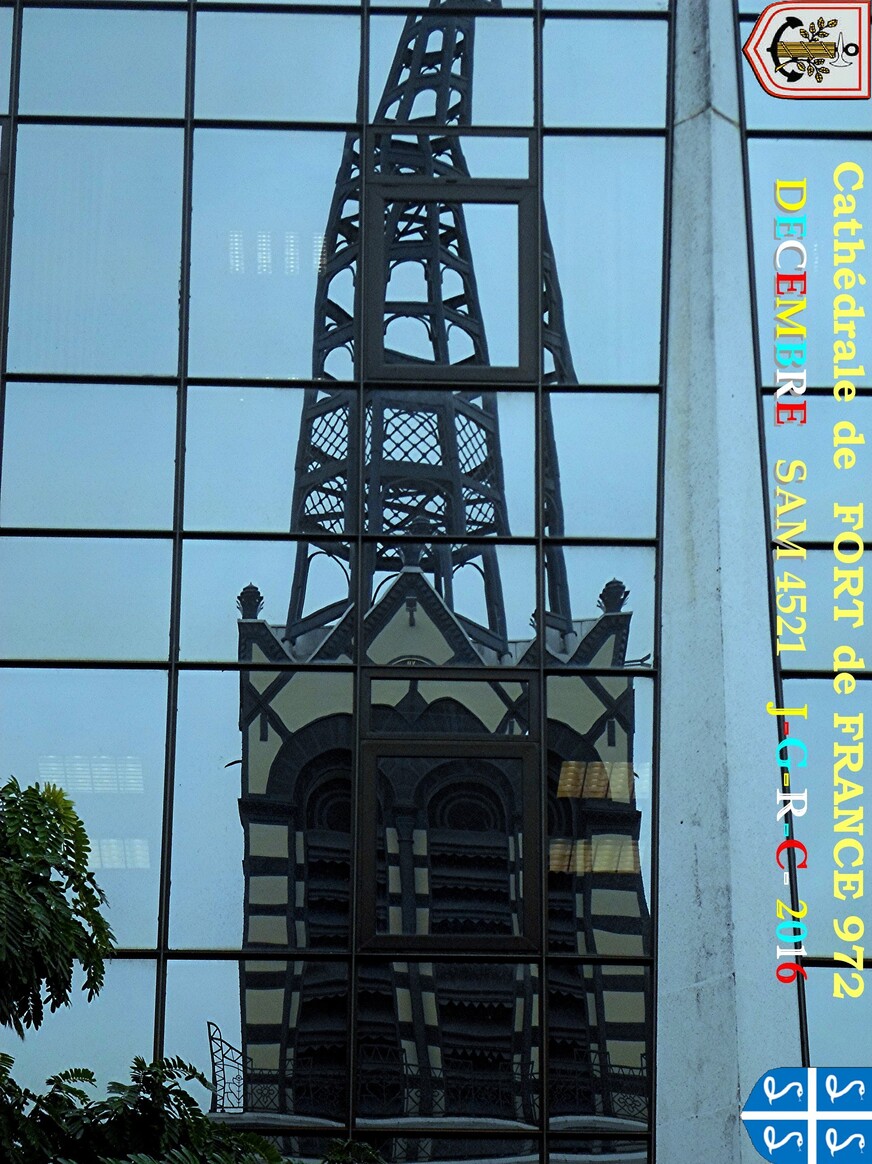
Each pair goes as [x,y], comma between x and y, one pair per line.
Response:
[812,50]
[798,1115]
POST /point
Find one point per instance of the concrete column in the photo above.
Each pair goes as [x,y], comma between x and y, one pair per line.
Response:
[723,1019]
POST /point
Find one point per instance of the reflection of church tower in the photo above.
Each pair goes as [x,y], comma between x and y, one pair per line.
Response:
[448,809]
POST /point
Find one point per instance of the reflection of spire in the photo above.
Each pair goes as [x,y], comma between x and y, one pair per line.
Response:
[432,458]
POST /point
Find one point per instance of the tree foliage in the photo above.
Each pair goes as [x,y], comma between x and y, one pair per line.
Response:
[49,905]
[151,1120]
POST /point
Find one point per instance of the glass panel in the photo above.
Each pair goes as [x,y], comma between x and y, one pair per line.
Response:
[448,1042]
[235,601]
[274,1034]
[607,463]
[446,1149]
[611,5]
[261,204]
[579,1150]
[599,1047]
[819,485]
[618,636]
[103,63]
[592,97]
[610,283]
[92,206]
[450,707]
[438,604]
[771,161]
[809,631]
[765,112]
[439,153]
[473,316]
[501,92]
[5,56]
[99,735]
[600,751]
[87,598]
[273,854]
[270,66]
[828,821]
[228,429]
[435,462]
[125,1006]
[88,456]
[837,1026]
[449,845]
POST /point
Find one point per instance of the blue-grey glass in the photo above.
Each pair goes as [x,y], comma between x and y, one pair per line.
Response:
[448,706]
[86,598]
[98,735]
[810,631]
[451,1149]
[88,455]
[818,735]
[607,459]
[502,87]
[599,1038]
[103,63]
[492,230]
[611,5]
[838,1026]
[261,203]
[765,112]
[406,621]
[571,1150]
[600,756]
[810,483]
[5,56]
[216,899]
[815,161]
[274,1036]
[496,157]
[413,442]
[610,281]
[609,587]
[477,1025]
[214,575]
[79,1035]
[579,80]
[270,66]
[225,438]
[467,833]
[96,250]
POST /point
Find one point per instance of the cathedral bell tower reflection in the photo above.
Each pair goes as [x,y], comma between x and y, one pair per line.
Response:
[422,734]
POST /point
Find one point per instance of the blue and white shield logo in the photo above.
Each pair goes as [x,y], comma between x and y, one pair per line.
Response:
[796,1115]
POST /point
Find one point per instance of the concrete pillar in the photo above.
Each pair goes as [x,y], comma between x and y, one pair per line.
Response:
[723,1019]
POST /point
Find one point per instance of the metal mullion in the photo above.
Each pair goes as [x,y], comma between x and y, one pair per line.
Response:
[101,122]
[9,144]
[665,286]
[598,131]
[74,379]
[178,513]
[542,401]
[745,136]
[358,478]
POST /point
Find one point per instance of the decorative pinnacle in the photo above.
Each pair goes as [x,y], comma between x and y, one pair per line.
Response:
[613,597]
[250,601]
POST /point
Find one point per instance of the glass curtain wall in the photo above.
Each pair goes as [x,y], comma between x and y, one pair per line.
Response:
[328,588]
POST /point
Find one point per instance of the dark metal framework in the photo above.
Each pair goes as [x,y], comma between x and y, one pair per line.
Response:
[319,518]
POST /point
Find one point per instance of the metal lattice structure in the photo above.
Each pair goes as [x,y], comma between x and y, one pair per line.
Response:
[432,461]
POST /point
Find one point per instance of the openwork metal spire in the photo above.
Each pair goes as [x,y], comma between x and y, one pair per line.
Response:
[432,461]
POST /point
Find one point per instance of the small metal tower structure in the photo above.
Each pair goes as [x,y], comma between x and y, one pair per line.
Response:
[432,463]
